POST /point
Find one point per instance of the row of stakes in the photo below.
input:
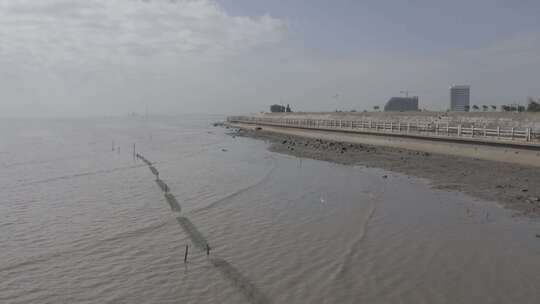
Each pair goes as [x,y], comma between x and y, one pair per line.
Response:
[243,283]
[170,198]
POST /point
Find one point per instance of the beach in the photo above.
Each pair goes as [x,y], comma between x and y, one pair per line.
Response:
[508,176]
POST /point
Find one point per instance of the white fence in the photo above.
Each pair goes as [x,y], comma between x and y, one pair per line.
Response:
[435,130]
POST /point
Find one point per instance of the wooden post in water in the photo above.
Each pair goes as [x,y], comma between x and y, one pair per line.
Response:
[134,151]
[207,249]
[185,256]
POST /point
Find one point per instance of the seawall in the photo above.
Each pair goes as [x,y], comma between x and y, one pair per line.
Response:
[479,119]
[492,129]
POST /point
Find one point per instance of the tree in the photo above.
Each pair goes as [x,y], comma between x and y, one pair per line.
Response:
[506,108]
[485,108]
[376,108]
[475,107]
[288,109]
[494,107]
[277,108]
[467,108]
[534,105]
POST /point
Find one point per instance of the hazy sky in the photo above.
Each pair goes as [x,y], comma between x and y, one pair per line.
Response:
[112,57]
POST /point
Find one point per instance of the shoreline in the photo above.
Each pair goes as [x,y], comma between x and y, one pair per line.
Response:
[511,184]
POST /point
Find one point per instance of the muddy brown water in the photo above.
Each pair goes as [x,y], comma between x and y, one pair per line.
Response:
[83,224]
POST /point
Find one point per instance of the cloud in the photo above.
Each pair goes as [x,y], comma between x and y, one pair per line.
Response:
[50,32]
[64,57]
[60,57]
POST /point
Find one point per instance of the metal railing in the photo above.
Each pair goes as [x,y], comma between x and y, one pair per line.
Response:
[435,130]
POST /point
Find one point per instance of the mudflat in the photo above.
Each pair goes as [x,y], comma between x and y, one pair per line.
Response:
[492,173]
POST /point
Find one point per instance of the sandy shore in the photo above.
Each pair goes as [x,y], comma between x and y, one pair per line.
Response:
[507,176]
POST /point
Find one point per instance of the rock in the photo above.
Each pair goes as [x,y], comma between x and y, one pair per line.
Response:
[385,176]
[499,186]
[258,128]
[284,142]
[534,198]
[524,190]
[224,150]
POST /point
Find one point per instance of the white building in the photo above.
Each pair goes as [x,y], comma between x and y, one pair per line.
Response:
[460,98]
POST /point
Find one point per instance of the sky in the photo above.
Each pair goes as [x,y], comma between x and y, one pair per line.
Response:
[104,57]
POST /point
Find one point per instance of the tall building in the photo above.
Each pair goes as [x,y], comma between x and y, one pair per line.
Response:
[460,98]
[402,104]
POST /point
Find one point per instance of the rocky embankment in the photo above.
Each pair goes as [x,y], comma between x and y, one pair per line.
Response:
[513,186]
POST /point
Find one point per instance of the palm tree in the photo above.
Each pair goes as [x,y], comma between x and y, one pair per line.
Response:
[494,107]
[485,108]
[467,108]
[376,108]
[475,107]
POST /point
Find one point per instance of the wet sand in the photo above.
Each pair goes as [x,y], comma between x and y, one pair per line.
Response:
[488,173]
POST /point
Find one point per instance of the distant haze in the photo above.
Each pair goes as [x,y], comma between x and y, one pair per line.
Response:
[102,57]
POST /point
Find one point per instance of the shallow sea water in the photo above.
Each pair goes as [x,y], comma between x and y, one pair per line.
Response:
[81,223]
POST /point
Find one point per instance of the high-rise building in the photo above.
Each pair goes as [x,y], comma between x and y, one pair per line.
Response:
[460,98]
[402,104]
